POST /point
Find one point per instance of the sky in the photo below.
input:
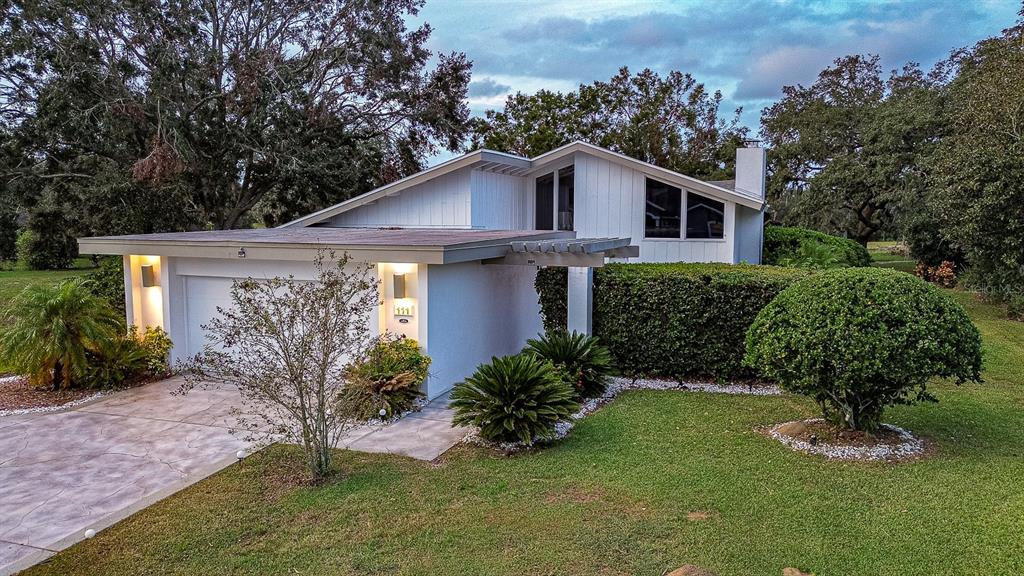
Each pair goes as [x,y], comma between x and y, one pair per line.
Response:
[747,49]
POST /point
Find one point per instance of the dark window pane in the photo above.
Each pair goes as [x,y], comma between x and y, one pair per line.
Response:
[705,218]
[664,207]
[545,205]
[566,191]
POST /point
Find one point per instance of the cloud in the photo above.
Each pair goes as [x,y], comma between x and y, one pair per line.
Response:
[749,49]
[487,87]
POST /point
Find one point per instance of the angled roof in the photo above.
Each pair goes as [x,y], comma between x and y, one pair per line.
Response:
[520,166]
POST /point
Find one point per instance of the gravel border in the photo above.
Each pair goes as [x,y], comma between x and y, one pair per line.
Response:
[618,385]
[909,447]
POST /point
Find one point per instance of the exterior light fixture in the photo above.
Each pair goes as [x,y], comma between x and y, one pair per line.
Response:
[399,285]
[149,278]
[241,252]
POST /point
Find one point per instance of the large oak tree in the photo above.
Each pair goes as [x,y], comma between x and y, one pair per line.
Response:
[671,121]
[847,152]
[173,114]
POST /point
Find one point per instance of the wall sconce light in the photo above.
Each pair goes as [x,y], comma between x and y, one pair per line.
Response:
[149,278]
[399,285]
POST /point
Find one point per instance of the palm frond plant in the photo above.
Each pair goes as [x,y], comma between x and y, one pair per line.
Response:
[514,399]
[814,255]
[49,329]
[579,359]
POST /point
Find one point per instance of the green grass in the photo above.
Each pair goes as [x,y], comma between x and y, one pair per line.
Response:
[14,281]
[613,498]
[882,258]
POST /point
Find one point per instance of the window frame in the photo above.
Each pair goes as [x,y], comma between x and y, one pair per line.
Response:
[686,210]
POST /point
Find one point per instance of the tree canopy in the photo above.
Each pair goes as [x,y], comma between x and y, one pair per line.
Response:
[979,166]
[149,115]
[673,122]
[847,152]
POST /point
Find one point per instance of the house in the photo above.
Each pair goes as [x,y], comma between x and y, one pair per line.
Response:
[457,246]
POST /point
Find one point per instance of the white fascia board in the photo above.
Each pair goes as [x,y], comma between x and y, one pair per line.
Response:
[668,176]
[466,160]
[263,250]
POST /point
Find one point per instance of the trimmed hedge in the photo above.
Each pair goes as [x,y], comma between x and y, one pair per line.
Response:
[781,242]
[672,320]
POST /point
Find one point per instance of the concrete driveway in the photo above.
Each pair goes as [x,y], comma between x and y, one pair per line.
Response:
[65,472]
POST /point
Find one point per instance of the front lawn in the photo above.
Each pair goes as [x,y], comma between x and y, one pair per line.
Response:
[14,281]
[652,481]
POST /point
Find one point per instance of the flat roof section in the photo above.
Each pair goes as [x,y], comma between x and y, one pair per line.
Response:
[412,245]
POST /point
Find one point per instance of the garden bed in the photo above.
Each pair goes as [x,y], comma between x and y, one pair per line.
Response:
[17,396]
[818,437]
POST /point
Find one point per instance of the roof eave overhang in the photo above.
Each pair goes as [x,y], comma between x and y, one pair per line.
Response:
[306,251]
[263,250]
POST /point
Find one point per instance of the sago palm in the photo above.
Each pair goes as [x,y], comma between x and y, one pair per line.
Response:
[513,399]
[579,358]
[47,331]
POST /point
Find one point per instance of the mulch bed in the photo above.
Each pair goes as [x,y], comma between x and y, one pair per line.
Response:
[17,394]
[816,436]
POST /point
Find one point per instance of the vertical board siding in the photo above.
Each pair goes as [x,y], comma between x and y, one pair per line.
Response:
[498,201]
[610,202]
[443,203]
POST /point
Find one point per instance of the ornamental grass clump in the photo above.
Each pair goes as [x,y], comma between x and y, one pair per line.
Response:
[514,399]
[858,340]
[579,360]
[387,381]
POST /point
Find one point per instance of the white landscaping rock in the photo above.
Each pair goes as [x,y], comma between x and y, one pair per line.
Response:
[909,446]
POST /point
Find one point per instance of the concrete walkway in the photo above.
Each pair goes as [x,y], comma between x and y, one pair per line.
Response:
[62,473]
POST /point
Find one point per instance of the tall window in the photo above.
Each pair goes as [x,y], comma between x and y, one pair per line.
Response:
[705,218]
[663,212]
[544,204]
[566,191]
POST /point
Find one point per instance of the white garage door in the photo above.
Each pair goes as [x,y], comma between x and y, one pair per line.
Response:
[202,297]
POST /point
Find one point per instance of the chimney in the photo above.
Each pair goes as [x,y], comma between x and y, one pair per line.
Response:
[750,169]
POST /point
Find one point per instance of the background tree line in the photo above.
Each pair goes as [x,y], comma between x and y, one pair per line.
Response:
[154,116]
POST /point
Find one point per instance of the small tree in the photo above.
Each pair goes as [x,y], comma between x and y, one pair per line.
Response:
[286,344]
[48,331]
[858,340]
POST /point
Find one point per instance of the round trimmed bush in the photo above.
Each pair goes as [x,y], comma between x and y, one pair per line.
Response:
[579,359]
[858,340]
[513,399]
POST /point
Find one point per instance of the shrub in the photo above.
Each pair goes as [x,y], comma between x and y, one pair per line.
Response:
[942,275]
[513,399]
[157,346]
[579,360]
[781,243]
[388,379]
[107,282]
[128,358]
[859,340]
[552,285]
[49,330]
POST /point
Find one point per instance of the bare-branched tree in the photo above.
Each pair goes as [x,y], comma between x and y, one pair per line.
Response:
[286,344]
